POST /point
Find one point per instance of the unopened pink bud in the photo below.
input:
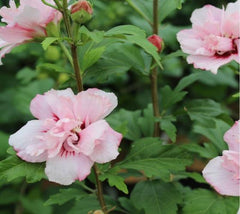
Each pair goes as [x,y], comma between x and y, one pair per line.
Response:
[82,5]
[157,41]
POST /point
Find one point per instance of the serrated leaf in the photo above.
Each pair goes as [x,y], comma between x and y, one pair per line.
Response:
[53,67]
[64,196]
[167,126]
[115,180]
[214,134]
[204,111]
[170,97]
[203,201]
[48,41]
[156,197]
[13,167]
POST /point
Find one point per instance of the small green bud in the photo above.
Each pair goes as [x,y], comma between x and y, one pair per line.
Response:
[81,12]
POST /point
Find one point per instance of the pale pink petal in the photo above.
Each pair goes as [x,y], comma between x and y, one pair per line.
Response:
[15,34]
[106,148]
[209,63]
[6,12]
[207,19]
[220,178]
[232,137]
[53,104]
[28,142]
[100,142]
[192,43]
[66,169]
[93,105]
[233,7]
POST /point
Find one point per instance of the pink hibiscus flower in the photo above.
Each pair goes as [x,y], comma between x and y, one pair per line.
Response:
[223,172]
[214,39]
[24,23]
[70,133]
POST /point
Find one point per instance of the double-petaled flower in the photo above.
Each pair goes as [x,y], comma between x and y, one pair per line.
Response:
[70,133]
[214,39]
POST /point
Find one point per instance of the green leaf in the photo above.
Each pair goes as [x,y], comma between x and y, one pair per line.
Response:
[65,195]
[156,197]
[186,81]
[208,150]
[48,41]
[214,134]
[8,196]
[127,204]
[128,118]
[170,97]
[167,126]
[4,143]
[203,201]
[35,206]
[146,46]
[53,67]
[204,111]
[85,205]
[126,30]
[13,167]
[91,57]
[115,180]
[96,36]
[155,159]
[25,75]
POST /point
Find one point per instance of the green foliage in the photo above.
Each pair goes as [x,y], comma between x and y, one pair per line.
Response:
[13,167]
[167,126]
[205,202]
[65,195]
[154,159]
[48,41]
[115,180]
[156,197]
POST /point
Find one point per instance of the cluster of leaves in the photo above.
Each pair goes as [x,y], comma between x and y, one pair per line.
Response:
[196,110]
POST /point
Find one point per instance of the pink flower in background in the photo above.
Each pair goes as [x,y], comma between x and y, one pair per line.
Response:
[214,39]
[70,133]
[24,23]
[223,172]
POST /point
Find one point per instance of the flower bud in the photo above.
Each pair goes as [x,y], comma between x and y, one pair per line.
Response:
[157,41]
[81,12]
[98,212]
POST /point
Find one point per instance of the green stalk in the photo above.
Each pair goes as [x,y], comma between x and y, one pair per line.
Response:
[154,75]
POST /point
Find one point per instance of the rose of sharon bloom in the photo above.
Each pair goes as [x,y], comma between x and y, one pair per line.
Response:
[24,23]
[223,172]
[214,39]
[157,41]
[70,133]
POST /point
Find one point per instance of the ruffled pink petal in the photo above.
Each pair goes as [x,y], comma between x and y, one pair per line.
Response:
[6,13]
[220,178]
[106,148]
[233,7]
[100,142]
[209,63]
[53,104]
[232,137]
[66,169]
[28,142]
[191,43]
[93,105]
[207,19]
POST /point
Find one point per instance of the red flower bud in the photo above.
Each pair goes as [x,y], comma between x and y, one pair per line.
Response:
[82,5]
[157,41]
